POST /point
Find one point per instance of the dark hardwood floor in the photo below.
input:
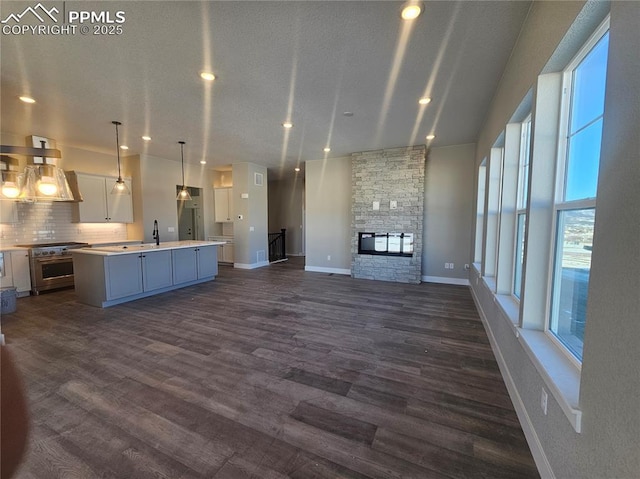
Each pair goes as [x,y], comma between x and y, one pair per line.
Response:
[269,373]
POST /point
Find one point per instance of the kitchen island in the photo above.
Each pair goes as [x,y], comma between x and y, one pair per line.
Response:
[110,275]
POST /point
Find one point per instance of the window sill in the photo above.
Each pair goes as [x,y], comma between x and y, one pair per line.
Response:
[490,282]
[561,376]
[511,309]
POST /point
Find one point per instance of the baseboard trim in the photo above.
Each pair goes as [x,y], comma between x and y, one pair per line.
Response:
[320,269]
[445,280]
[539,457]
[250,266]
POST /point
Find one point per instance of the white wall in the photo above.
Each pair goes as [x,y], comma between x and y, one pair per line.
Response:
[448,203]
[328,215]
[158,180]
[251,248]
[608,445]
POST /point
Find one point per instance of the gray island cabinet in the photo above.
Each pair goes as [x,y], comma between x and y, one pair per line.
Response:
[106,276]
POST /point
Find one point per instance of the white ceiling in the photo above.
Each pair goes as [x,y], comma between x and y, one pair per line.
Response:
[307,61]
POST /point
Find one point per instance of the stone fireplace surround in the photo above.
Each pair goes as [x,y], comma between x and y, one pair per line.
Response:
[383,176]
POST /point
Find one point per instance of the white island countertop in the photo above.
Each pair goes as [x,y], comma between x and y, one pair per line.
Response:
[137,248]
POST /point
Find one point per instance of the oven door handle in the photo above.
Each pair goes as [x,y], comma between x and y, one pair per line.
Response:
[53,260]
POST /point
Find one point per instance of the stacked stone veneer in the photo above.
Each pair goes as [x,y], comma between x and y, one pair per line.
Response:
[386,175]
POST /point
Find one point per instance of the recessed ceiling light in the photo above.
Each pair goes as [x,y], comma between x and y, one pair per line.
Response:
[203,162]
[27,99]
[424,100]
[430,137]
[327,149]
[296,169]
[124,147]
[207,76]
[146,138]
[287,124]
[411,12]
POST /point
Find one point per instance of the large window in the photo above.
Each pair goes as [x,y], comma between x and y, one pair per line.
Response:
[575,204]
[521,204]
[482,180]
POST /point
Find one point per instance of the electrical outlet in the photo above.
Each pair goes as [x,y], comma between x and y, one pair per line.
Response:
[446,266]
[451,266]
[171,229]
[543,401]
[328,257]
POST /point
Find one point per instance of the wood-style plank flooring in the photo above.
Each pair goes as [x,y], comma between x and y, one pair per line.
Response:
[269,373]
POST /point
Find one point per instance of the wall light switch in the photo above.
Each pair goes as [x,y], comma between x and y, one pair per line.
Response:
[171,229]
[244,196]
[393,205]
[376,205]
[251,228]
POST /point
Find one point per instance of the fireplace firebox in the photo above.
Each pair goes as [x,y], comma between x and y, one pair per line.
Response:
[385,244]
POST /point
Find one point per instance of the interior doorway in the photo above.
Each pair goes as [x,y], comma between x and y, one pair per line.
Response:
[190,217]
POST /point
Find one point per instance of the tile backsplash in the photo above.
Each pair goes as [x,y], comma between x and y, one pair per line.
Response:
[50,222]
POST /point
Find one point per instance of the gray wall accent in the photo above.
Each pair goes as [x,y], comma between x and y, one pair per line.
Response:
[448,211]
[385,175]
[328,214]
[286,204]
[609,442]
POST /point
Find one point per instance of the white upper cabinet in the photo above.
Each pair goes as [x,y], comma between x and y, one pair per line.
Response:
[98,205]
[223,198]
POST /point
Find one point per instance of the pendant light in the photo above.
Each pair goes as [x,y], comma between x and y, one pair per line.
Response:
[183,195]
[37,182]
[120,187]
[11,179]
[10,184]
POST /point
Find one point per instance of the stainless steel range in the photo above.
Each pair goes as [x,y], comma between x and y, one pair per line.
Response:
[51,265]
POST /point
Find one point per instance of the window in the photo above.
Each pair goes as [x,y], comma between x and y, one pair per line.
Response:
[482,179]
[574,209]
[521,204]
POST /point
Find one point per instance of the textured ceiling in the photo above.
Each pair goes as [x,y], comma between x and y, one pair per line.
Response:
[305,61]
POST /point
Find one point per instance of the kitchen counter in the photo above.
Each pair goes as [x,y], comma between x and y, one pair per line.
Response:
[110,275]
[7,248]
[114,243]
[137,248]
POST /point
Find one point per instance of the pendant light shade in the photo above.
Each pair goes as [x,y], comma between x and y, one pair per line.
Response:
[183,194]
[120,187]
[37,182]
[11,184]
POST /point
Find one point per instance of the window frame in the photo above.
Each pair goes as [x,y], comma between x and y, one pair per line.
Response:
[560,204]
[480,212]
[522,198]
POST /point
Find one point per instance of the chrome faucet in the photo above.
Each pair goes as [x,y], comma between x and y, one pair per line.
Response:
[156,233]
